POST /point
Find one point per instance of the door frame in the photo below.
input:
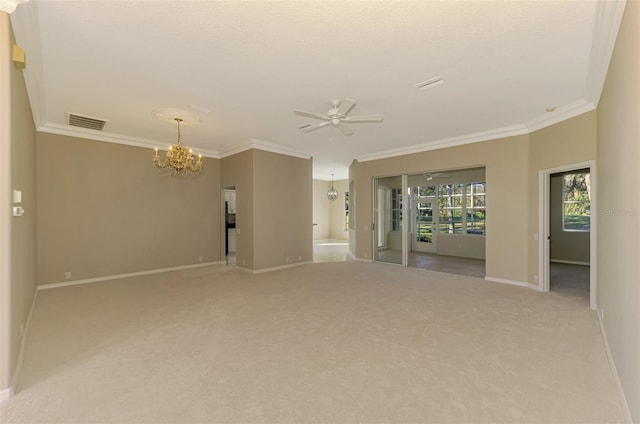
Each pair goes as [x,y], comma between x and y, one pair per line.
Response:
[544,192]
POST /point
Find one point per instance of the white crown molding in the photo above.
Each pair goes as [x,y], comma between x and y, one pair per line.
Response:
[560,114]
[267,147]
[9,6]
[70,131]
[607,21]
[606,24]
[478,137]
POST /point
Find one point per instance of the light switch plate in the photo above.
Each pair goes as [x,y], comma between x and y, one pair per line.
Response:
[17,196]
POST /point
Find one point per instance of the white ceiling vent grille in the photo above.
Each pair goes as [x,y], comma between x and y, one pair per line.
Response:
[86,122]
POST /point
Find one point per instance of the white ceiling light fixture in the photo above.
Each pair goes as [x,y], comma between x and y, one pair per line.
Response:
[337,116]
[332,194]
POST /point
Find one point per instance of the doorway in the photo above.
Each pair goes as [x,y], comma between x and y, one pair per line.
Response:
[567,231]
[390,221]
[230,210]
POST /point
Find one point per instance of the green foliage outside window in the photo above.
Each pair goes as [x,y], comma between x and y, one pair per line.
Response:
[576,202]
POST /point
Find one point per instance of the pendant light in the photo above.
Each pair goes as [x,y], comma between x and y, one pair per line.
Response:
[332,194]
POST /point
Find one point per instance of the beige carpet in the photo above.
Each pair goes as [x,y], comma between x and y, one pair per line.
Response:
[329,342]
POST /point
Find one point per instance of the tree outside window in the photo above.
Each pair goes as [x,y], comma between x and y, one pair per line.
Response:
[576,202]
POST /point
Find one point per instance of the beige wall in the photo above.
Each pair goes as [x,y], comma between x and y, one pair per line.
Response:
[571,246]
[21,289]
[238,171]
[618,180]
[103,209]
[506,240]
[569,142]
[283,210]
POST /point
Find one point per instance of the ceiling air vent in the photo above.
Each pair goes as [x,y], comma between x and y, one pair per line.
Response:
[86,122]
[424,85]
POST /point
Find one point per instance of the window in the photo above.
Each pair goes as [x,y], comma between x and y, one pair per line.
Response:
[475,208]
[424,191]
[450,208]
[346,211]
[576,202]
[396,209]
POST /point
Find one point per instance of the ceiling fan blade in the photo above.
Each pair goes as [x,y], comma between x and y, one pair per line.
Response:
[345,106]
[363,118]
[315,127]
[311,115]
[345,129]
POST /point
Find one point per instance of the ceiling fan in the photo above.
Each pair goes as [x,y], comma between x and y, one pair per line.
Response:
[430,177]
[337,116]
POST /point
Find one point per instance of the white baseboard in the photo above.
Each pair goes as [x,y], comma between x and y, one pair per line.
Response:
[5,395]
[560,261]
[277,268]
[23,342]
[364,260]
[512,282]
[127,275]
[614,372]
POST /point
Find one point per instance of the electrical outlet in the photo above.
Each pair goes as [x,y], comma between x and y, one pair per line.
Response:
[199,258]
[243,262]
[535,278]
[366,255]
[299,258]
[67,275]
[287,259]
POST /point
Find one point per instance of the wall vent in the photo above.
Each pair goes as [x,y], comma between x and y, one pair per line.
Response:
[86,122]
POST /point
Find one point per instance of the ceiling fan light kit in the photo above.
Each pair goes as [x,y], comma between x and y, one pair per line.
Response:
[337,116]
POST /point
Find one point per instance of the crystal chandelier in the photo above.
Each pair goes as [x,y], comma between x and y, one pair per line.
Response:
[178,160]
[332,194]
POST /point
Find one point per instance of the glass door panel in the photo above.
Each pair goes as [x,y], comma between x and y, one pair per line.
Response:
[389,220]
[425,224]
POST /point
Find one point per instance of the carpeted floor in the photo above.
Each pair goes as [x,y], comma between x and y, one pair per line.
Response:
[345,342]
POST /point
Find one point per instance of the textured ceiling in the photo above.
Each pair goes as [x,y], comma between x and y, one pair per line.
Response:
[243,67]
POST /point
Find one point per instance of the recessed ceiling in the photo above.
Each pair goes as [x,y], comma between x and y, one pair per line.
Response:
[244,67]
